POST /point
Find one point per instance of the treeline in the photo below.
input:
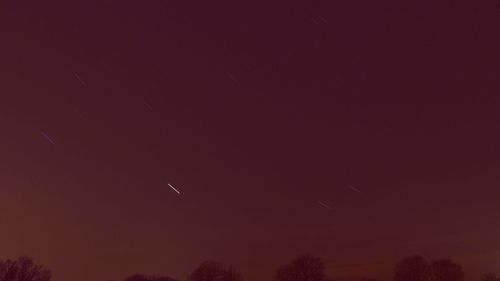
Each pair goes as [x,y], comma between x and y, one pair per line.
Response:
[303,268]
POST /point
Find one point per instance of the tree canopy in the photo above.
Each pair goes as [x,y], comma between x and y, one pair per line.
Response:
[23,269]
[447,270]
[214,271]
[141,277]
[414,268]
[303,268]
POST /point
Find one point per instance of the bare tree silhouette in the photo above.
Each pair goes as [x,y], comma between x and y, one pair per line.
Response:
[214,271]
[141,277]
[447,270]
[8,270]
[490,276]
[23,269]
[414,268]
[232,275]
[164,278]
[208,271]
[303,268]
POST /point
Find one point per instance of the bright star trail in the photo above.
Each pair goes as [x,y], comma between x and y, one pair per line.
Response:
[174,189]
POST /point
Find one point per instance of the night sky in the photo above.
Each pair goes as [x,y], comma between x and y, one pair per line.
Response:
[358,131]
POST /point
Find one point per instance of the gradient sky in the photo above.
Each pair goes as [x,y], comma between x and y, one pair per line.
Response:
[255,112]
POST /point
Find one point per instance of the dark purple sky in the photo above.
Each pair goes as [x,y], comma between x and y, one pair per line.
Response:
[256,112]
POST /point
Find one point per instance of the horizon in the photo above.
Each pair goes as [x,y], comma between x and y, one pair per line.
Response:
[376,273]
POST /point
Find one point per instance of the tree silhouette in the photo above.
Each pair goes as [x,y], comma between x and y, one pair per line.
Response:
[23,269]
[414,268]
[447,270]
[214,271]
[303,268]
[137,277]
[141,277]
[164,278]
[231,275]
[490,276]
[8,270]
[208,271]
